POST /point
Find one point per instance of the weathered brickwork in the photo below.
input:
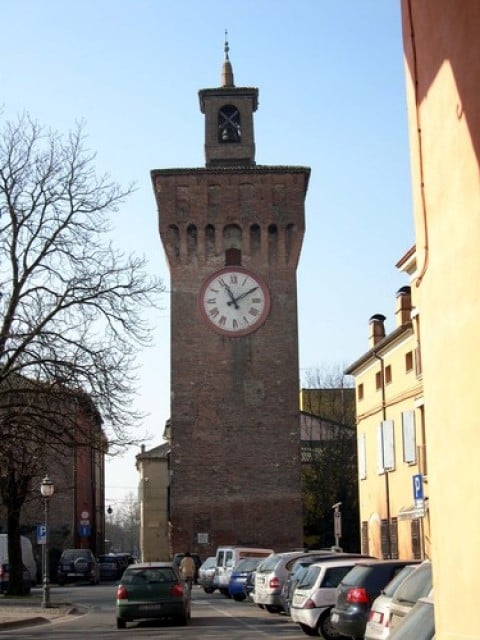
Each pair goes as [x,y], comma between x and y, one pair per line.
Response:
[234,412]
[235,436]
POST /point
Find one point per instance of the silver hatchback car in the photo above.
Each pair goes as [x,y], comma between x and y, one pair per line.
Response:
[270,576]
[314,596]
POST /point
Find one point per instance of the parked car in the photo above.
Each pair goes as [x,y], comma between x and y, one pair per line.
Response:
[206,575]
[378,625]
[418,624]
[111,567]
[418,585]
[177,558]
[28,581]
[152,590]
[227,557]
[300,567]
[239,577]
[78,564]
[270,577]
[357,591]
[314,596]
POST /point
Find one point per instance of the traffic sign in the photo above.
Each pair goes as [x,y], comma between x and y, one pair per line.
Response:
[41,534]
[418,488]
[84,530]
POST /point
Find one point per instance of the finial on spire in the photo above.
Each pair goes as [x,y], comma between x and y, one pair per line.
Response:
[226,47]
[227,71]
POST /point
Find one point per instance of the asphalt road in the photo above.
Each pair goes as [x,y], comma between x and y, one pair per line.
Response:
[214,617]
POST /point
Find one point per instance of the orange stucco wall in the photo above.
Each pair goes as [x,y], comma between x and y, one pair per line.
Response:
[442,50]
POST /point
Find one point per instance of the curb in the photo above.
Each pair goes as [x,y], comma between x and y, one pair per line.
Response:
[12,624]
[37,620]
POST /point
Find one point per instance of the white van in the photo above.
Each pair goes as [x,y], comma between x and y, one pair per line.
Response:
[27,553]
[227,557]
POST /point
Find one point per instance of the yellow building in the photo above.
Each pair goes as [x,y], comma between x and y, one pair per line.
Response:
[391,437]
[442,54]
[152,466]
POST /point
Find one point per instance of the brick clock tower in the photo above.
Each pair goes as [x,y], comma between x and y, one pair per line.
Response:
[232,232]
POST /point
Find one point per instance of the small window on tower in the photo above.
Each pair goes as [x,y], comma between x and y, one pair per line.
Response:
[229,124]
[233,257]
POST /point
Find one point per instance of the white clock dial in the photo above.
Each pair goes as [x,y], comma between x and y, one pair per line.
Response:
[234,301]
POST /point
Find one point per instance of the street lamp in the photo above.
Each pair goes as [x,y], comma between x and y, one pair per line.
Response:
[47,488]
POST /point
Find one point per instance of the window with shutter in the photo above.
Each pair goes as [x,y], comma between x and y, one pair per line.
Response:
[415,531]
[365,538]
[394,537]
[408,435]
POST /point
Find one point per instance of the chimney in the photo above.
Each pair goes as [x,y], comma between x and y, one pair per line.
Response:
[404,306]
[377,329]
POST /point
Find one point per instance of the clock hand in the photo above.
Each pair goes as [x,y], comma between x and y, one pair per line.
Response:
[244,295]
[232,300]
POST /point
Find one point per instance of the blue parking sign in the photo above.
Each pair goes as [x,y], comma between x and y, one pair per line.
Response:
[418,487]
[41,534]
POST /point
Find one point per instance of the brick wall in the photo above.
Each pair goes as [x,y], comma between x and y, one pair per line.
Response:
[234,413]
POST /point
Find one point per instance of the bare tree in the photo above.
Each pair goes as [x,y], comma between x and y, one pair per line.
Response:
[123,526]
[72,308]
[329,452]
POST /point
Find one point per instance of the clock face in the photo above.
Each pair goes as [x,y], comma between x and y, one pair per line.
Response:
[234,301]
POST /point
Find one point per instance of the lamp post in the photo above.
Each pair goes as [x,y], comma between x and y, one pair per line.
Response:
[47,488]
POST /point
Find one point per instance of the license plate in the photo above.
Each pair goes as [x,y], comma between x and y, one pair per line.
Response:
[334,617]
[150,607]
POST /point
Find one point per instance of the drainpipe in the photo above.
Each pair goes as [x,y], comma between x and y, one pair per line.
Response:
[385,470]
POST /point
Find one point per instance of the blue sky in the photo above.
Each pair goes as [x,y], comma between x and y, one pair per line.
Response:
[331,86]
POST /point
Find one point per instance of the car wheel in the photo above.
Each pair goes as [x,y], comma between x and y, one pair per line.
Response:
[239,597]
[326,629]
[209,589]
[272,608]
[121,624]
[308,631]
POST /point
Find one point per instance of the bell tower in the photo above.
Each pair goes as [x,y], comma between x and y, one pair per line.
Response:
[232,232]
[229,138]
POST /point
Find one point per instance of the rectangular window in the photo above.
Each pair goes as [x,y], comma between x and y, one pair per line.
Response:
[360,392]
[409,361]
[408,436]
[385,447]
[378,380]
[362,457]
[388,374]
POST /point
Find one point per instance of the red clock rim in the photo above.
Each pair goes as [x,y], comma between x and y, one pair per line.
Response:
[242,332]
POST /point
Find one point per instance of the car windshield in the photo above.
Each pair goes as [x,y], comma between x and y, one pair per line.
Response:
[393,585]
[209,563]
[309,578]
[246,564]
[268,564]
[148,575]
[417,586]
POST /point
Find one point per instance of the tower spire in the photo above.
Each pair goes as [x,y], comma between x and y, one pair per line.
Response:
[227,71]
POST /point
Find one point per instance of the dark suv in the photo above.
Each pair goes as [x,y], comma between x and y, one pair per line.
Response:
[357,591]
[78,564]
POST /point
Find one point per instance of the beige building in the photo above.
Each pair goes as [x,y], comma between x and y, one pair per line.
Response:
[391,435]
[152,466]
[442,53]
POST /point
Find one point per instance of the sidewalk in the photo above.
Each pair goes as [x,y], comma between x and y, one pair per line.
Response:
[16,612]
